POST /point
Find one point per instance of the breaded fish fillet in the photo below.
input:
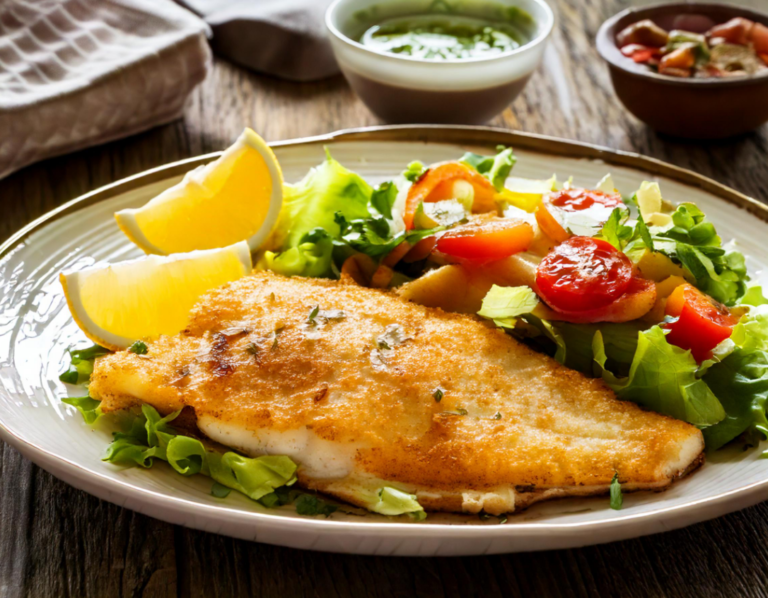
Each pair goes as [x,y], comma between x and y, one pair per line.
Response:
[361,388]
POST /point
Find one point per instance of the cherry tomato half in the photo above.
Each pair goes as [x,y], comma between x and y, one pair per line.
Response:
[597,204]
[422,189]
[486,241]
[701,323]
[582,274]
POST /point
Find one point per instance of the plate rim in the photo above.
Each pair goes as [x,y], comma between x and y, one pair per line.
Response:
[457,134]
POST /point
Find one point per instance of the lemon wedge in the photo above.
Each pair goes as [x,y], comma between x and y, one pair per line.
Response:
[118,304]
[237,197]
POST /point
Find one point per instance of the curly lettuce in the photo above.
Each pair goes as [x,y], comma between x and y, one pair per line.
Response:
[309,206]
[740,379]
[151,437]
[663,378]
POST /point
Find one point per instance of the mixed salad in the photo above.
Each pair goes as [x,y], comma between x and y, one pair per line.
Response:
[631,289]
[698,47]
[627,288]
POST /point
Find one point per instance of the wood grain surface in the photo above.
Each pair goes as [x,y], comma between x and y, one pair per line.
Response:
[56,541]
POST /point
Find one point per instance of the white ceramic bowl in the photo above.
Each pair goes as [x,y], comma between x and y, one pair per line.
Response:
[404,89]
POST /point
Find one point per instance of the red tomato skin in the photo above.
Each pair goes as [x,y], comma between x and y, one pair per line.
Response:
[701,325]
[583,274]
[486,242]
[576,200]
[599,203]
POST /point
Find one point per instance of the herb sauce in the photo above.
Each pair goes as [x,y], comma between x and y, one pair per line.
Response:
[440,37]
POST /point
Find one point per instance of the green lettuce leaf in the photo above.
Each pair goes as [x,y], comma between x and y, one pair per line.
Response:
[81,364]
[752,330]
[391,502]
[495,168]
[741,383]
[151,437]
[504,304]
[89,408]
[662,378]
[312,204]
[754,297]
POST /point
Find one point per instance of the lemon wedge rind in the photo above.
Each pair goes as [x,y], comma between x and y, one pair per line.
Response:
[118,304]
[237,196]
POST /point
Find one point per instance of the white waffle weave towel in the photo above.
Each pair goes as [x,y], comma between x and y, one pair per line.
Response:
[75,73]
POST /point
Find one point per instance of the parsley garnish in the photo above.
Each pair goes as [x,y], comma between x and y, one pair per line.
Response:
[313,314]
[139,348]
[438,394]
[252,348]
[616,497]
[461,411]
[274,337]
[498,415]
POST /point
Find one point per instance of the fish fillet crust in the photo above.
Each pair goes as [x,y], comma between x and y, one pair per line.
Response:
[354,400]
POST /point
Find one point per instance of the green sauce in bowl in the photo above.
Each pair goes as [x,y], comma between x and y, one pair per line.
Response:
[442,37]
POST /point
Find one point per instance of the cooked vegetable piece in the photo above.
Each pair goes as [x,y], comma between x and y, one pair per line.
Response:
[679,62]
[583,274]
[422,190]
[562,210]
[644,32]
[486,241]
[701,322]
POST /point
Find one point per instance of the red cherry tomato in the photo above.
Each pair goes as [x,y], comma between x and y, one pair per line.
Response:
[598,204]
[486,241]
[583,274]
[701,322]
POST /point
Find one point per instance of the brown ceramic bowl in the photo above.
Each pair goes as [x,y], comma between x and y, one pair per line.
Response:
[692,108]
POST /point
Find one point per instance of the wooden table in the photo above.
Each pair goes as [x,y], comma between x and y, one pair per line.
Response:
[57,541]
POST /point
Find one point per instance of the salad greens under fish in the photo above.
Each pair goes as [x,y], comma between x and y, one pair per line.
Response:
[335,224]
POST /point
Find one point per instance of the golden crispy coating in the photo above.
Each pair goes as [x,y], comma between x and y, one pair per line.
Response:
[364,384]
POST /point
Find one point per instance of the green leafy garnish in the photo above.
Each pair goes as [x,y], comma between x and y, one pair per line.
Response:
[81,364]
[617,499]
[313,314]
[662,378]
[504,305]
[693,242]
[740,381]
[89,408]
[414,171]
[308,225]
[615,231]
[139,348]
[495,168]
[383,199]
[498,415]
[150,436]
[438,394]
[392,501]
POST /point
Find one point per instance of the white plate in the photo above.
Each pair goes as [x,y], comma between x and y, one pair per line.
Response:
[36,330]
